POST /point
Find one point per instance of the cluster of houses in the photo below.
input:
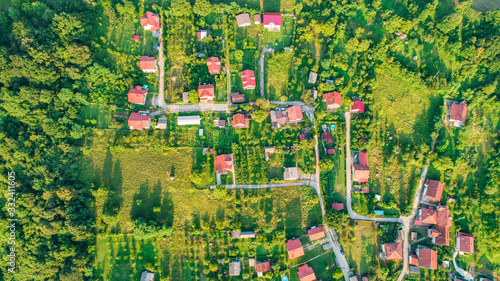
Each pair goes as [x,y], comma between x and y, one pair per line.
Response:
[438,220]
[294,250]
[271,21]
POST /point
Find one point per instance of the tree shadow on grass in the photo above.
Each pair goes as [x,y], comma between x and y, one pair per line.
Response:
[149,207]
[114,181]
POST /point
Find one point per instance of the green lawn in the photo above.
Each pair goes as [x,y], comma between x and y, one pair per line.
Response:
[97,115]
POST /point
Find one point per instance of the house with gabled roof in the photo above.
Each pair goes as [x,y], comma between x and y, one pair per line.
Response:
[240,121]
[148,64]
[138,121]
[426,215]
[223,163]
[333,100]
[150,21]
[306,273]
[357,107]
[464,243]
[326,137]
[243,20]
[261,267]
[206,93]
[440,235]
[137,95]
[360,170]
[433,191]
[427,258]
[256,19]
[214,65]
[392,251]
[278,118]
[235,268]
[248,79]
[295,114]
[294,248]
[272,22]
[457,113]
[316,233]
[237,97]
[444,216]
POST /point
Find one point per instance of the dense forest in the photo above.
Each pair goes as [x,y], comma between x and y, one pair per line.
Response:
[55,58]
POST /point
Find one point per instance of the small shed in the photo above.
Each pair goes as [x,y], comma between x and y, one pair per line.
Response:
[379,212]
[251,262]
[189,120]
[313,76]
[185,97]
[331,151]
[256,19]
[235,268]
[162,123]
[338,206]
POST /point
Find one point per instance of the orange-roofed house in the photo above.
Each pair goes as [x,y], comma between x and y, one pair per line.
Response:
[427,216]
[333,100]
[294,248]
[360,170]
[150,21]
[295,114]
[458,114]
[392,251]
[240,121]
[261,267]
[206,93]
[148,64]
[138,121]
[137,95]
[358,107]
[316,233]
[272,22]
[223,163]
[248,79]
[213,64]
[306,273]
[464,243]
[433,191]
[427,258]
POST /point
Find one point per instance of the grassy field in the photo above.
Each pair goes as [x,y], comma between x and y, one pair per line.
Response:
[361,247]
[139,185]
[99,116]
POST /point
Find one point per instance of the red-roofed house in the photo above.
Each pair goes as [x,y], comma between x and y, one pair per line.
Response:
[358,107]
[458,114]
[464,243]
[360,170]
[240,121]
[213,64]
[326,137]
[427,216]
[137,95]
[392,251]
[427,258]
[316,233]
[413,260]
[333,100]
[150,21]
[338,206]
[433,190]
[444,216]
[272,22]
[248,79]
[295,114]
[306,273]
[294,248]
[206,93]
[261,267]
[440,235]
[136,121]
[223,163]
[148,64]
[237,97]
